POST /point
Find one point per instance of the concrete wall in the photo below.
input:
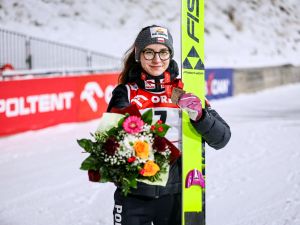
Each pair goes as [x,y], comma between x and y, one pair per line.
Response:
[255,79]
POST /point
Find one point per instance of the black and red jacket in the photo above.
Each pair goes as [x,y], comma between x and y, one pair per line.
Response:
[149,92]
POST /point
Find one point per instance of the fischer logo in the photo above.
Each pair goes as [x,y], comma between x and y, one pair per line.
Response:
[90,90]
[192,18]
[217,86]
[32,104]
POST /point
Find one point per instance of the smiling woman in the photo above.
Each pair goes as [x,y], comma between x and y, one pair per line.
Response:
[147,80]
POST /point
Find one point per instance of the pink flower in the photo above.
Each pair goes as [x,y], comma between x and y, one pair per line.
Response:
[133,124]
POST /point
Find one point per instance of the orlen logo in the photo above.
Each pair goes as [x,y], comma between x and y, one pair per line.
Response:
[143,101]
[216,86]
[140,100]
[92,91]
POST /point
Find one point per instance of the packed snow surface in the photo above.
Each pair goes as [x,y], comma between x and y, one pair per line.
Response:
[255,179]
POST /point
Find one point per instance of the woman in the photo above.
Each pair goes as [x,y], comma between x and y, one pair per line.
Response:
[149,72]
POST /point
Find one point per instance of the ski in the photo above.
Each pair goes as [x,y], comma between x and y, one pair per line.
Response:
[193,76]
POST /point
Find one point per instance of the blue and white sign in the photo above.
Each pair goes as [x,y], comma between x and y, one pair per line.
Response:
[219,83]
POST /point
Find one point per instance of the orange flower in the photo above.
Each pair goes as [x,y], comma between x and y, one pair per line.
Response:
[150,169]
[141,149]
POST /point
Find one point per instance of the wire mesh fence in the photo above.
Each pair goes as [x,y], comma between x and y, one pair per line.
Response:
[24,52]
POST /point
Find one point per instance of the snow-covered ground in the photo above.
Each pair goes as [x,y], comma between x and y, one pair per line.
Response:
[255,179]
[237,33]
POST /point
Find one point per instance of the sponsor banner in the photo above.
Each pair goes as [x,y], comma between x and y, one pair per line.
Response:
[219,83]
[38,103]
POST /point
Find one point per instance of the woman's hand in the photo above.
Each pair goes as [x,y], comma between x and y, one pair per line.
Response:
[192,104]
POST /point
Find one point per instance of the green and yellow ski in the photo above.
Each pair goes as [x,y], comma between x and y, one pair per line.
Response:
[193,76]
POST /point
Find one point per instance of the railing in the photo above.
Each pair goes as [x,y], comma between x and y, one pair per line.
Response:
[24,52]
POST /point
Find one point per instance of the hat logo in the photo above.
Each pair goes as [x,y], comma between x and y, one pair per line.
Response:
[159,32]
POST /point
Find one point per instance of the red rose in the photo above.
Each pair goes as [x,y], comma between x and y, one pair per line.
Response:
[131,159]
[142,171]
[111,146]
[159,144]
[94,175]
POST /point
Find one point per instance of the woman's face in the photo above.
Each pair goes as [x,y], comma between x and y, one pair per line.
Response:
[155,59]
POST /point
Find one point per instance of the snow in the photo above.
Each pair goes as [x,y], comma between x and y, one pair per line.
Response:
[255,179]
[238,33]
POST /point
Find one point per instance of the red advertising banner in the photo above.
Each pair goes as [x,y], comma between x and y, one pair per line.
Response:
[38,103]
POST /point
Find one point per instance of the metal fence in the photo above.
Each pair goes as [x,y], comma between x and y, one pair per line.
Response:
[25,52]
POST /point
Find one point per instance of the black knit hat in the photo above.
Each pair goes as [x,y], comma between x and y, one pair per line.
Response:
[152,35]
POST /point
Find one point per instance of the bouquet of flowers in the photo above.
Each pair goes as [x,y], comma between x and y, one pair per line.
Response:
[128,148]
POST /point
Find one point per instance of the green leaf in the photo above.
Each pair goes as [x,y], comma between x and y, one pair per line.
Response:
[147,116]
[165,129]
[133,183]
[90,163]
[112,132]
[121,121]
[104,175]
[86,144]
[128,183]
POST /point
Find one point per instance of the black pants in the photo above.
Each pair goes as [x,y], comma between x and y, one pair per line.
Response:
[139,210]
